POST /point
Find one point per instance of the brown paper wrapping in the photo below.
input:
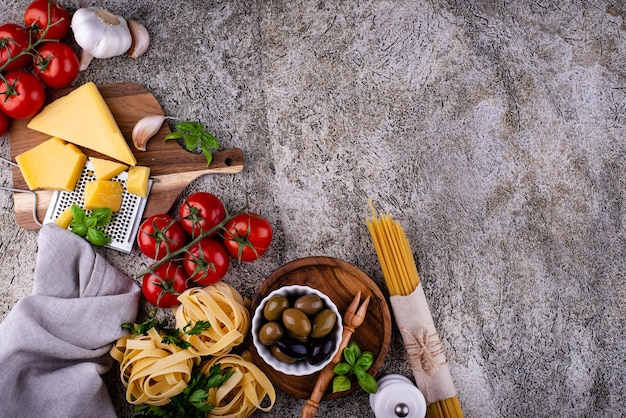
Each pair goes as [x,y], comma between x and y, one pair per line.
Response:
[425,352]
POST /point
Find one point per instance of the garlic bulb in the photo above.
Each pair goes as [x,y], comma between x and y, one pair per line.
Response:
[100,33]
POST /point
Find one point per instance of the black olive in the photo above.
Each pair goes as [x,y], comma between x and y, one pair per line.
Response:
[319,349]
[292,348]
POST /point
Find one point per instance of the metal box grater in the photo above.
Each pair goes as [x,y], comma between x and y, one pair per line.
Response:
[124,224]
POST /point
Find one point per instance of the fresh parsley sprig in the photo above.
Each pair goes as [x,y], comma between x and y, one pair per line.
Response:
[195,136]
[88,226]
[192,402]
[357,364]
[169,335]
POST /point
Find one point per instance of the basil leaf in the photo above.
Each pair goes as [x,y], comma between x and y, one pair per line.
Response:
[366,360]
[102,216]
[78,214]
[342,369]
[97,237]
[351,352]
[207,153]
[174,135]
[341,383]
[91,222]
[78,228]
[189,126]
[209,140]
[368,383]
[358,372]
[191,142]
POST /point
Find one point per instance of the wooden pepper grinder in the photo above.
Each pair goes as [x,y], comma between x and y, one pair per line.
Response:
[352,319]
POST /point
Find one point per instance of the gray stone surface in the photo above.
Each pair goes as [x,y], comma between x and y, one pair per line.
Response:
[493,131]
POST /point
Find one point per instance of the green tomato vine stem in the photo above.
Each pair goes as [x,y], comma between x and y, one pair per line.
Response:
[174,254]
[31,45]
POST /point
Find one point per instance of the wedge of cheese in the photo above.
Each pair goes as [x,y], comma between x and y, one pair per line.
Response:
[137,182]
[53,164]
[65,219]
[83,118]
[106,169]
[103,194]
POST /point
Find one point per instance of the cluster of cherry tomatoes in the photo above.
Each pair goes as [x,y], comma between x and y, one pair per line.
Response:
[33,56]
[196,248]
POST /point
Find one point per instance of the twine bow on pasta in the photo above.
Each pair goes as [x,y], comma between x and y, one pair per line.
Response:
[423,350]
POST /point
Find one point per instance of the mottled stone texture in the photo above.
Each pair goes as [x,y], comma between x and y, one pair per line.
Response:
[493,131]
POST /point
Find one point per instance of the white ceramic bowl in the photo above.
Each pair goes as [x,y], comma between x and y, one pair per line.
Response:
[301,367]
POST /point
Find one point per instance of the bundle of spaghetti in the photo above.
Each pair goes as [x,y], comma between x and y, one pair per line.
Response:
[244,392]
[223,307]
[425,352]
[151,371]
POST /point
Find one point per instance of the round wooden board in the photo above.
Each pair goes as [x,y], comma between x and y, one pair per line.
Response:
[340,281]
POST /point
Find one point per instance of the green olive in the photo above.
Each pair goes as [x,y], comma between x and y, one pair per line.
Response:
[323,323]
[274,307]
[270,332]
[281,356]
[296,322]
[309,304]
[302,339]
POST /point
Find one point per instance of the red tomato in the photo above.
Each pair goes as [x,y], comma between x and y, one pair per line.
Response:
[201,212]
[162,286]
[56,64]
[247,236]
[160,235]
[4,123]
[206,262]
[21,95]
[13,41]
[47,13]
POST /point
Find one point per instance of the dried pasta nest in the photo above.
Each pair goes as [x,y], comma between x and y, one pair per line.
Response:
[223,307]
[244,392]
[151,371]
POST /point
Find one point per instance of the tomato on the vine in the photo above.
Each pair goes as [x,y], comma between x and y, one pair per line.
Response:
[201,212]
[14,40]
[160,235]
[163,284]
[4,123]
[21,95]
[247,236]
[47,13]
[206,262]
[56,64]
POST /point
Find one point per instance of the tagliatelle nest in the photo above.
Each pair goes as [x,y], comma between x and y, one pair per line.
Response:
[151,371]
[243,392]
[223,307]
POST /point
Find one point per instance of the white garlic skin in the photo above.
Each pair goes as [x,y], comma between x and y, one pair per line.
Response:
[101,33]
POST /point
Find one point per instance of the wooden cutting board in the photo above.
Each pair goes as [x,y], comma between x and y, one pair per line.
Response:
[172,167]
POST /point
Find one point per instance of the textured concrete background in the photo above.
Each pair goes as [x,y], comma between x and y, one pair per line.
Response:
[493,131]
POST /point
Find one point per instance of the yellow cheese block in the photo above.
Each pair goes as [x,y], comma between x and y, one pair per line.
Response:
[53,164]
[83,118]
[137,182]
[106,169]
[103,194]
[65,218]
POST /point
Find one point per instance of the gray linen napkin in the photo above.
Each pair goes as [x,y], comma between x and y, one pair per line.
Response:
[54,344]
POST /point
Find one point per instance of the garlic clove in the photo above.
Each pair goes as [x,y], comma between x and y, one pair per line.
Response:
[85,60]
[140,39]
[145,129]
